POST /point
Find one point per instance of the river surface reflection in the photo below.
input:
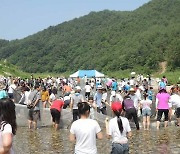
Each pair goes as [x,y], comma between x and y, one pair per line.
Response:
[47,141]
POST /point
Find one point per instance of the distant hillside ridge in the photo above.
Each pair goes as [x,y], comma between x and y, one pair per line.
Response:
[107,41]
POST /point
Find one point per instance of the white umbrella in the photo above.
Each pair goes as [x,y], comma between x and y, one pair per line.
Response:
[133,73]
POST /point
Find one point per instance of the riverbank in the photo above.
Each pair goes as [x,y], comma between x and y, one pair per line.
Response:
[7,69]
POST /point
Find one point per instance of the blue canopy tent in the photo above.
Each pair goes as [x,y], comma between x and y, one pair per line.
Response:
[88,73]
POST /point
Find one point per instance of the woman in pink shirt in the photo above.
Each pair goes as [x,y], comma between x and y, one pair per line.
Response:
[162,99]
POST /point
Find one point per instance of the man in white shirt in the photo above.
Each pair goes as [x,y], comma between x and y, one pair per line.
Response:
[115,98]
[87,90]
[136,100]
[11,89]
[131,81]
[175,100]
[134,97]
[138,91]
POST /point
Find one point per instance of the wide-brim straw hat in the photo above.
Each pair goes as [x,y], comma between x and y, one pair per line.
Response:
[132,89]
[77,88]
[99,87]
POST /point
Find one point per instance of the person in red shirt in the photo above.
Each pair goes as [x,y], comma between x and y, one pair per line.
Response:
[55,109]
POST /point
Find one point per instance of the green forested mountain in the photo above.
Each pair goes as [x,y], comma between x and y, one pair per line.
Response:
[106,41]
[3,43]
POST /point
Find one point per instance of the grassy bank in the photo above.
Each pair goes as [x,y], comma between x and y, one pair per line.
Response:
[7,69]
[172,76]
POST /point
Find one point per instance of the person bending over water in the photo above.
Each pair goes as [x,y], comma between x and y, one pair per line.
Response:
[55,109]
[130,110]
[85,131]
[8,125]
[119,129]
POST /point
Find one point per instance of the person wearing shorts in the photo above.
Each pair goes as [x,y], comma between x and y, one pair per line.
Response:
[162,99]
[56,107]
[34,113]
[146,111]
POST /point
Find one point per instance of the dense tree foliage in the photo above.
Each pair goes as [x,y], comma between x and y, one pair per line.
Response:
[106,41]
[3,43]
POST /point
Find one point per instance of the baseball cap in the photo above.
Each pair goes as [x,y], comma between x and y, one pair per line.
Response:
[116,106]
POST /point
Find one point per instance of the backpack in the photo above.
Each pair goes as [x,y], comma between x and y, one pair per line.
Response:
[128,103]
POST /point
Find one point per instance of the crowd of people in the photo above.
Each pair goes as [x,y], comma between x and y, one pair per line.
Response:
[127,98]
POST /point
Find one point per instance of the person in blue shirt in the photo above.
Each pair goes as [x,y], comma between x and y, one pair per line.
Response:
[101,107]
[127,87]
[98,83]
[114,85]
[152,98]
[150,93]
[162,84]
[3,93]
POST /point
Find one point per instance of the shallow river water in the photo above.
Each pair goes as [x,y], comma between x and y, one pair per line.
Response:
[46,141]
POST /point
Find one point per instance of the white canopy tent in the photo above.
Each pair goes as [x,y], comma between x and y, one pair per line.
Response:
[88,73]
[74,75]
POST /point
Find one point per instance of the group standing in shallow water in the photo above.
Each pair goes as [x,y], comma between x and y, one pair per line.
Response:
[83,108]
